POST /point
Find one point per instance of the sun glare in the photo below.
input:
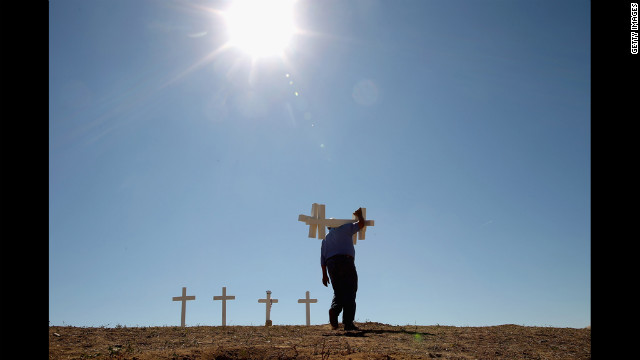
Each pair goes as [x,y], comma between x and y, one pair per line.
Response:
[260,27]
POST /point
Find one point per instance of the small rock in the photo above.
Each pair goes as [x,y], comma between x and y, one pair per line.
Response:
[56,334]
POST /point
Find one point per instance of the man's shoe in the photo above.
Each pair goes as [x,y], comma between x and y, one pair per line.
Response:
[351,326]
[333,319]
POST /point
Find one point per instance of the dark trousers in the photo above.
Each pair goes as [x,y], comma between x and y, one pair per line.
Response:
[344,279]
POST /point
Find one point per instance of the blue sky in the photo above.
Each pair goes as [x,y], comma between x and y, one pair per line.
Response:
[462,126]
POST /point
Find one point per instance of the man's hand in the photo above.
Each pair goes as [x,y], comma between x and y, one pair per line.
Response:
[325,277]
[358,213]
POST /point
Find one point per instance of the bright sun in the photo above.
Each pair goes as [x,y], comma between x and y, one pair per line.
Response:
[260,27]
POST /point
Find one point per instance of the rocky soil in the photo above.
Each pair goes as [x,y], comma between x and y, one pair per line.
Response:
[371,341]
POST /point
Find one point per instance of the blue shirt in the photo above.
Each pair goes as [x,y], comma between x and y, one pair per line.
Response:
[338,242]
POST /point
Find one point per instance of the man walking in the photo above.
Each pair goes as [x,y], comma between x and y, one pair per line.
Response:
[337,256]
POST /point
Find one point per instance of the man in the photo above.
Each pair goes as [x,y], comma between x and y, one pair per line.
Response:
[337,256]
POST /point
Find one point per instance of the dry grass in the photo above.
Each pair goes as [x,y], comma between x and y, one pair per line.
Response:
[372,341]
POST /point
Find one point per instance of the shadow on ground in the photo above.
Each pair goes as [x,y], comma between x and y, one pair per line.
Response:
[363,333]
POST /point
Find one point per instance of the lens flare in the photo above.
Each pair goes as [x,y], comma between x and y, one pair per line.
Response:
[260,27]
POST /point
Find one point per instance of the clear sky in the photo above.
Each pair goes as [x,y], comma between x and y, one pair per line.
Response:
[180,156]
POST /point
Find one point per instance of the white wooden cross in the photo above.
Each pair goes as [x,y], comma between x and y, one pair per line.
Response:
[317,222]
[308,302]
[224,299]
[268,301]
[184,299]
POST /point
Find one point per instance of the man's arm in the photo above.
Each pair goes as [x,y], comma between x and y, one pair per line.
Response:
[323,263]
[325,278]
[358,213]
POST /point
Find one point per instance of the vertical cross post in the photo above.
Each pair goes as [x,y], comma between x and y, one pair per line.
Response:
[321,229]
[317,213]
[184,299]
[308,302]
[268,301]
[314,215]
[224,299]
[360,234]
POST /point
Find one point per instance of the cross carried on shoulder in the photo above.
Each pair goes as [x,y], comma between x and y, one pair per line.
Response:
[317,222]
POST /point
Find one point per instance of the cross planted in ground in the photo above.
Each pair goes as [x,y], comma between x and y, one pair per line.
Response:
[184,299]
[224,299]
[268,301]
[308,302]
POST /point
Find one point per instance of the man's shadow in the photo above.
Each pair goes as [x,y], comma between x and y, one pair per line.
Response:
[364,332]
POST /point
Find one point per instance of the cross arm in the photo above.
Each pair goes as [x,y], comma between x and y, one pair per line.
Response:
[330,222]
[301,301]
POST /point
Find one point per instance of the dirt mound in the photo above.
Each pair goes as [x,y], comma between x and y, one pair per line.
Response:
[372,341]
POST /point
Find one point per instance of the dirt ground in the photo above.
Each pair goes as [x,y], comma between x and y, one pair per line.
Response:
[371,341]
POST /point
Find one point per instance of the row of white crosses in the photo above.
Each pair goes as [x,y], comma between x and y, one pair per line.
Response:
[317,222]
[268,301]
